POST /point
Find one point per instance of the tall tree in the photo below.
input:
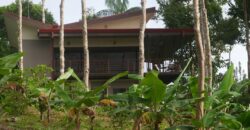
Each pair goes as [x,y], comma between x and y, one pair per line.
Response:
[201,59]
[62,58]
[20,34]
[245,3]
[117,6]
[43,11]
[206,43]
[85,44]
[222,30]
[141,38]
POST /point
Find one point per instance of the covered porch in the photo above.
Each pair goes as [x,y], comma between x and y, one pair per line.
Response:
[112,57]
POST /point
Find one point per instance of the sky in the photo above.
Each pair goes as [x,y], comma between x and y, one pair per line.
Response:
[73,13]
[73,9]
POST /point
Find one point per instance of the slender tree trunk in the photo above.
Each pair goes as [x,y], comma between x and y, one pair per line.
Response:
[141,38]
[62,59]
[78,120]
[137,124]
[20,33]
[230,52]
[43,11]
[245,2]
[85,45]
[28,8]
[207,45]
[201,59]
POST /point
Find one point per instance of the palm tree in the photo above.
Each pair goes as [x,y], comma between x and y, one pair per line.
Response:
[43,11]
[117,6]
[141,38]
[20,34]
[85,44]
[62,59]
[198,38]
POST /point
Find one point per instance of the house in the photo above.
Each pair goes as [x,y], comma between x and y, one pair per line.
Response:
[113,45]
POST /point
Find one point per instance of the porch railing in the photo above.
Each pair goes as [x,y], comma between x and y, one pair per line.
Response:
[105,66]
[114,66]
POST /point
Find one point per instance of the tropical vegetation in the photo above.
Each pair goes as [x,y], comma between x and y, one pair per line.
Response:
[199,98]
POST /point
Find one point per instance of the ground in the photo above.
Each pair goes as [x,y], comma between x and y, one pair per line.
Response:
[30,120]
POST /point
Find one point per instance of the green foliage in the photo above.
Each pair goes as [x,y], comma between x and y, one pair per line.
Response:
[220,104]
[7,64]
[155,88]
[149,102]
[33,9]
[12,99]
[12,102]
[117,6]
[174,12]
[244,118]
[87,98]
[179,14]
[150,99]
[236,10]
[227,30]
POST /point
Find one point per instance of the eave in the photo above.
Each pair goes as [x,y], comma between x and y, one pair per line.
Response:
[55,32]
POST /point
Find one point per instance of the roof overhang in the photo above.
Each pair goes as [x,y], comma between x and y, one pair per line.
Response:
[51,33]
[150,12]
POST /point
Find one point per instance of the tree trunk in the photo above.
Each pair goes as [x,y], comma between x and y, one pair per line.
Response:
[137,124]
[230,52]
[62,59]
[85,45]
[156,125]
[20,33]
[78,120]
[207,45]
[201,59]
[247,39]
[43,11]
[141,38]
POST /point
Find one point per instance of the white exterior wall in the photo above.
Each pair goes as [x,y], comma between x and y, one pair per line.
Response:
[37,52]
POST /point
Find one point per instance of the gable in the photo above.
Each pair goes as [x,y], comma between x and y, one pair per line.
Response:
[29,28]
[124,23]
[127,20]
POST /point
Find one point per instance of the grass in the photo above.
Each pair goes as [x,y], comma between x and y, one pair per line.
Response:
[30,120]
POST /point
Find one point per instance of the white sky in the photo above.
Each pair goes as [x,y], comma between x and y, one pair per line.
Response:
[73,9]
[73,13]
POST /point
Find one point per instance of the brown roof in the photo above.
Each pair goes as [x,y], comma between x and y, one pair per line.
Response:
[39,24]
[109,18]
[28,21]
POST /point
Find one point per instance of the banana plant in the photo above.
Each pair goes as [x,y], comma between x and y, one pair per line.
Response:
[84,99]
[220,105]
[38,88]
[148,99]
[7,64]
